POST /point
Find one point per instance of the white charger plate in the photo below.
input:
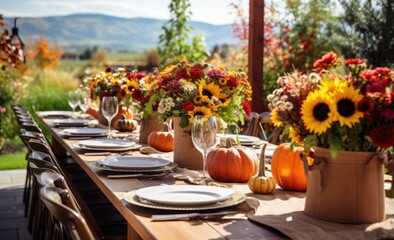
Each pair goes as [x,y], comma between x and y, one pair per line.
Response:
[166,168]
[133,162]
[243,139]
[184,195]
[236,199]
[107,143]
[85,131]
[70,122]
[132,147]
[55,114]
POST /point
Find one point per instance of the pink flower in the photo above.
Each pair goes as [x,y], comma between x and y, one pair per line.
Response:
[375,89]
[216,74]
[3,109]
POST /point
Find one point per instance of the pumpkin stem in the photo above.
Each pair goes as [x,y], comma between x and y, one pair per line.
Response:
[262,161]
[230,142]
[166,127]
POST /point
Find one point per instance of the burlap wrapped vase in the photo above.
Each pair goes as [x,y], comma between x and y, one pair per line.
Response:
[148,125]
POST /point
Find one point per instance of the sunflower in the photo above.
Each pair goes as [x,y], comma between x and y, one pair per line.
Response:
[330,86]
[295,137]
[275,119]
[317,112]
[207,91]
[346,102]
[131,85]
[206,112]
[222,81]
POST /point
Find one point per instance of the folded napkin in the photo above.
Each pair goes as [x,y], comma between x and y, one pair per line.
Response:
[194,177]
[288,217]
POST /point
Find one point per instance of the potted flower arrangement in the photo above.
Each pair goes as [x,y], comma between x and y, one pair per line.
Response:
[119,83]
[345,114]
[189,89]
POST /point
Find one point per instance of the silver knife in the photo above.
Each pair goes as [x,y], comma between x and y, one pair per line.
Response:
[166,217]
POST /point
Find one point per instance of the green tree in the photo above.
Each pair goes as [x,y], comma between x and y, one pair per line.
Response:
[366,30]
[173,46]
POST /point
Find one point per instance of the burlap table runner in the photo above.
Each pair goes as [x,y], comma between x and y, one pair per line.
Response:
[286,215]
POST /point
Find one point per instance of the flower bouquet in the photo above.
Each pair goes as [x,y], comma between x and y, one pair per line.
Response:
[190,89]
[344,108]
[343,114]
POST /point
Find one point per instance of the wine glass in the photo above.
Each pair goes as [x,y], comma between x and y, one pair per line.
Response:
[109,108]
[204,136]
[84,103]
[73,100]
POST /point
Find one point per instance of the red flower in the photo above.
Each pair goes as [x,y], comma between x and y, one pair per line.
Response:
[137,95]
[182,74]
[375,89]
[247,108]
[232,81]
[132,76]
[388,113]
[188,106]
[365,105]
[383,136]
[141,75]
[326,61]
[122,93]
[195,73]
[354,61]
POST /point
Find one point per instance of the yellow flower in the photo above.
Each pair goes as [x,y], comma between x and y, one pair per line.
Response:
[295,137]
[275,118]
[167,70]
[222,81]
[206,112]
[317,112]
[131,85]
[207,91]
[346,102]
[330,86]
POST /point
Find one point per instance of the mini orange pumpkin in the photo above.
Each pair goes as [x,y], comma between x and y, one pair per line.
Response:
[232,163]
[162,140]
[288,169]
[125,125]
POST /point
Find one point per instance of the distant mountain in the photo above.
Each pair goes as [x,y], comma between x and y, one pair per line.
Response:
[135,34]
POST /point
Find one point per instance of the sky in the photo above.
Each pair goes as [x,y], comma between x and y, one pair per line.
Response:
[211,11]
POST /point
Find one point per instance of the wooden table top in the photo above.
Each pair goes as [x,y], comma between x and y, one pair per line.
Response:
[138,218]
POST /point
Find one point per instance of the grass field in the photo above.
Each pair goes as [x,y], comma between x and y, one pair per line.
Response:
[13,160]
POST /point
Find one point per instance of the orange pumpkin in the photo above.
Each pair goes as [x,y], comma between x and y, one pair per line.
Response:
[162,140]
[288,169]
[126,111]
[232,163]
[125,125]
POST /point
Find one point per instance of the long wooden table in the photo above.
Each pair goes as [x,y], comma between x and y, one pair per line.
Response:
[140,225]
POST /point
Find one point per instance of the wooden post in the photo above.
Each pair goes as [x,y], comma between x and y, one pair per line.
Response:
[256,49]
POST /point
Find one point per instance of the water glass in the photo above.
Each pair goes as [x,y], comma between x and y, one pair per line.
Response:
[84,103]
[109,108]
[73,100]
[204,138]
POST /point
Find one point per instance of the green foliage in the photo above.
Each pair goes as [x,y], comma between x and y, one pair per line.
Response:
[13,160]
[366,30]
[173,46]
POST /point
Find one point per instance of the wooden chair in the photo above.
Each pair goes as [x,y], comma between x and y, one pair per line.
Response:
[260,125]
[75,224]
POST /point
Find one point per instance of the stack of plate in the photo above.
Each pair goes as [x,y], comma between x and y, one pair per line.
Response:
[83,132]
[134,164]
[185,197]
[70,122]
[55,114]
[106,144]
[245,140]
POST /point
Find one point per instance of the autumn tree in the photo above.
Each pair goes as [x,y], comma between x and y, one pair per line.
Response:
[45,55]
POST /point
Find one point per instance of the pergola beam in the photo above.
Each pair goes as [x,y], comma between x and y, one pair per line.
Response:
[256,49]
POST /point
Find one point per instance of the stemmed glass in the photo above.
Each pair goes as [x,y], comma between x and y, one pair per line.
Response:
[204,138]
[73,100]
[84,103]
[109,108]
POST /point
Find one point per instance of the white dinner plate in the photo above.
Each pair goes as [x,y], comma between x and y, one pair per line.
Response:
[243,139]
[55,114]
[166,168]
[107,143]
[236,198]
[132,147]
[85,131]
[133,162]
[70,122]
[185,195]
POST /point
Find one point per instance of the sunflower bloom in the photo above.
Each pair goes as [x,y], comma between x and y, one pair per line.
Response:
[317,112]
[207,91]
[275,118]
[206,112]
[346,102]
